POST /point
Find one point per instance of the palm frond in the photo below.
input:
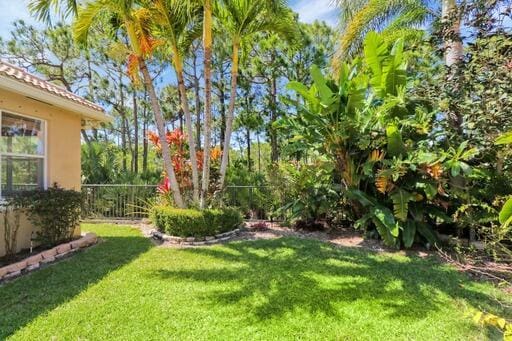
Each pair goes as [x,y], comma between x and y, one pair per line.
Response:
[88,14]
[389,16]
[42,9]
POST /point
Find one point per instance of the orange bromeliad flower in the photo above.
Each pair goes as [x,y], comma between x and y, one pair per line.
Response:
[376,155]
[435,171]
[216,153]
[154,139]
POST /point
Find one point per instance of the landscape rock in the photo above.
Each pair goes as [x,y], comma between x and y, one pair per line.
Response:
[12,274]
[63,248]
[16,267]
[33,266]
[49,253]
[77,244]
[34,259]
[48,259]
[91,238]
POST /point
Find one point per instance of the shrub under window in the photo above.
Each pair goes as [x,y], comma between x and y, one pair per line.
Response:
[55,211]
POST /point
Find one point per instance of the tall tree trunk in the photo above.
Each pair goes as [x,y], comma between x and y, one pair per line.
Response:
[86,139]
[248,139]
[188,121]
[231,112]
[135,157]
[274,155]
[145,144]
[259,152]
[453,55]
[123,120]
[180,120]
[159,120]
[222,109]
[197,92]
[207,43]
[91,90]
[129,140]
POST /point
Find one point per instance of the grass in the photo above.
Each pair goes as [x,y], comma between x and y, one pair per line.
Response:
[124,288]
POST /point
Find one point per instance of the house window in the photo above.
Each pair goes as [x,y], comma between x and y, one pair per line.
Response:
[22,153]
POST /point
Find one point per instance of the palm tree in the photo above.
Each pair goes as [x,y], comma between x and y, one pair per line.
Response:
[400,18]
[207,47]
[42,9]
[180,24]
[393,17]
[242,19]
[134,20]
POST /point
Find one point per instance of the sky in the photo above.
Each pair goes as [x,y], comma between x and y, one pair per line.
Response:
[309,11]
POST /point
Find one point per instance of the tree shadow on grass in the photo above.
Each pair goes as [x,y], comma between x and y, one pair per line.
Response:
[38,293]
[287,274]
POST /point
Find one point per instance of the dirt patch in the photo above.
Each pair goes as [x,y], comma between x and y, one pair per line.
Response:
[256,230]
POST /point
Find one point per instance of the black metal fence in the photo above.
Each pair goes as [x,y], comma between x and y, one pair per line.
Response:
[117,201]
[255,202]
[127,201]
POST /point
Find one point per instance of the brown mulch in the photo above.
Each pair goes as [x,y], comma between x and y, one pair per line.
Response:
[337,237]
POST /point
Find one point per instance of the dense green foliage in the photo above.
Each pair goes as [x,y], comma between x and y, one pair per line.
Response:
[194,223]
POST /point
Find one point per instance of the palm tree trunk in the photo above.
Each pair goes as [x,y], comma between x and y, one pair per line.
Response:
[198,105]
[123,121]
[231,112]
[222,108]
[166,153]
[207,43]
[135,158]
[188,121]
[145,146]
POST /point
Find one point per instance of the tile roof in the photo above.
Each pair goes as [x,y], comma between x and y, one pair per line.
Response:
[14,72]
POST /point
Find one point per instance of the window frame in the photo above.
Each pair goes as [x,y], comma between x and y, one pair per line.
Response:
[44,157]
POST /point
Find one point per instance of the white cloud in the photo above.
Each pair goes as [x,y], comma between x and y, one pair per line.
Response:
[311,10]
[11,10]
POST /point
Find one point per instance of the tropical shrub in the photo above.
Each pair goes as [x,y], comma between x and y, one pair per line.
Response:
[194,223]
[55,211]
[249,191]
[309,191]
[382,143]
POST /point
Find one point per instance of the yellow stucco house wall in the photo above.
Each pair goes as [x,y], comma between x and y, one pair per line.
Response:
[40,137]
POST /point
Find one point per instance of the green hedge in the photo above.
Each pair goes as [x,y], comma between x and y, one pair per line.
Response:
[194,223]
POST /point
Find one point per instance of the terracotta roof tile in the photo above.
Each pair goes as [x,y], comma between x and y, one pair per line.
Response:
[21,75]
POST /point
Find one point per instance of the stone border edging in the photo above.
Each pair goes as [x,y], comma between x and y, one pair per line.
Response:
[194,241]
[45,257]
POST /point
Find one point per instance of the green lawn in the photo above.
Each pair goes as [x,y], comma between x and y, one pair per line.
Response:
[124,288]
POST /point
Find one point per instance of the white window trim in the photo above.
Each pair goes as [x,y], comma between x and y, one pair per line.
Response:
[45,146]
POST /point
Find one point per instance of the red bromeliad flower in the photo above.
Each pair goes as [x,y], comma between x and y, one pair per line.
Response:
[177,141]
[164,187]
[176,138]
